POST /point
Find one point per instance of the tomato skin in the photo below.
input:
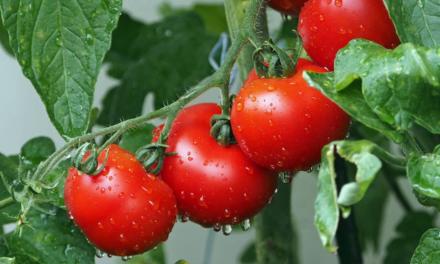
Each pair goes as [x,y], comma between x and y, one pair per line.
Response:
[123,210]
[326,26]
[213,184]
[289,7]
[282,124]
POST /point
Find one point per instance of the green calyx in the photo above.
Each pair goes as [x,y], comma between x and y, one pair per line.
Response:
[270,61]
[221,130]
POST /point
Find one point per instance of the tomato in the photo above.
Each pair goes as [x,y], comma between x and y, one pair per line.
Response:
[282,124]
[214,185]
[326,26]
[123,210]
[287,6]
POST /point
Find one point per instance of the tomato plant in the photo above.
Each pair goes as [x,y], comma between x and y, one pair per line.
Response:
[214,185]
[287,6]
[295,120]
[122,210]
[110,184]
[327,26]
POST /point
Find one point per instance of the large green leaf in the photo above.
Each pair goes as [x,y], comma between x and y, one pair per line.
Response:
[60,45]
[428,250]
[213,15]
[409,230]
[401,86]
[328,202]
[353,102]
[50,239]
[4,39]
[160,58]
[416,21]
[424,175]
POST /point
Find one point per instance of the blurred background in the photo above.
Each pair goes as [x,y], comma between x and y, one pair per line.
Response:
[22,116]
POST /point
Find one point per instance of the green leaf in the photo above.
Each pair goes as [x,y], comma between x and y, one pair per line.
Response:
[154,256]
[249,254]
[50,239]
[353,102]
[37,149]
[428,250]
[159,58]
[4,260]
[60,46]
[213,15]
[136,138]
[4,40]
[9,170]
[424,175]
[416,21]
[328,201]
[409,230]
[401,86]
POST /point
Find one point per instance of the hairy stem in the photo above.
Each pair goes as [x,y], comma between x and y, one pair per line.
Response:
[235,15]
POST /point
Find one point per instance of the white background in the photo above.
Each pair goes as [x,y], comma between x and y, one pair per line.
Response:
[22,116]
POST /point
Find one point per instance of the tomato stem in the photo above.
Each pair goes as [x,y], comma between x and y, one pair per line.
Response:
[6,202]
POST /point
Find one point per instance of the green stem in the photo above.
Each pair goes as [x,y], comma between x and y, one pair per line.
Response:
[276,240]
[6,202]
[397,162]
[236,15]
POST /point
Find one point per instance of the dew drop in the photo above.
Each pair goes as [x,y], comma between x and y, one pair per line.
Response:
[227,230]
[99,253]
[246,225]
[217,227]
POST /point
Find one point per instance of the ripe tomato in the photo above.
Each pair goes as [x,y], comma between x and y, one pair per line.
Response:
[287,6]
[326,26]
[123,210]
[282,124]
[214,185]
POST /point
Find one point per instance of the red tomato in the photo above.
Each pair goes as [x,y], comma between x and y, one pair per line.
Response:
[214,185]
[326,26]
[123,210]
[287,6]
[282,124]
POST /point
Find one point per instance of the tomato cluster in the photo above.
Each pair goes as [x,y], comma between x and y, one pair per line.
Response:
[280,125]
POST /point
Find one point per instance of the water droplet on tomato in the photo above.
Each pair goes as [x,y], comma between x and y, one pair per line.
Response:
[184,218]
[126,258]
[338,3]
[227,213]
[245,225]
[190,158]
[227,230]
[217,227]
[286,177]
[99,253]
[100,225]
[239,107]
